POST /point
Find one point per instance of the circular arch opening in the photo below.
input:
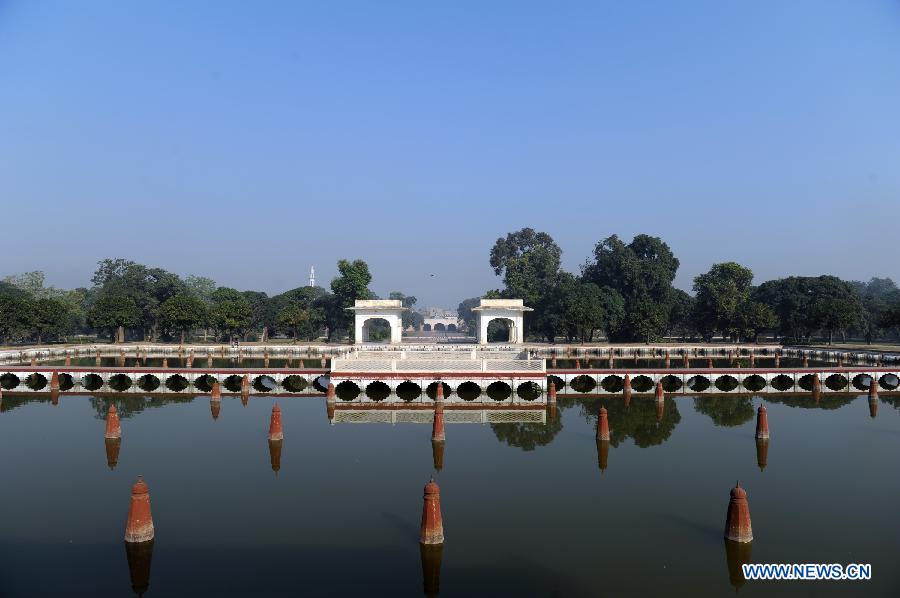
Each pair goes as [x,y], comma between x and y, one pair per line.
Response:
[66,382]
[499,391]
[528,391]
[671,383]
[862,381]
[264,383]
[451,328]
[440,327]
[583,383]
[805,381]
[346,390]
[431,390]
[727,383]
[92,382]
[321,383]
[204,383]
[9,381]
[378,391]
[426,328]
[409,391]
[36,381]
[557,381]
[642,383]
[120,382]
[754,383]
[836,382]
[468,391]
[698,383]
[294,383]
[148,382]
[176,383]
[232,383]
[613,383]
[889,381]
[782,382]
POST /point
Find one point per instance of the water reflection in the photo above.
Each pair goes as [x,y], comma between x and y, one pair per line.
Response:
[275,454]
[762,453]
[828,401]
[112,451]
[437,454]
[726,410]
[737,554]
[603,454]
[526,435]
[215,407]
[139,555]
[431,555]
[637,421]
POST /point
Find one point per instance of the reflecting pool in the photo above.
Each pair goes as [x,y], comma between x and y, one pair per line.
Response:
[533,506]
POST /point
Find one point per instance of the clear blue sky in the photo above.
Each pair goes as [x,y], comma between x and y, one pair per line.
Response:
[249,140]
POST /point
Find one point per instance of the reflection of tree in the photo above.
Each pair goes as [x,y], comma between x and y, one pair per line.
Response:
[809,402]
[529,436]
[892,401]
[9,402]
[725,411]
[131,405]
[637,421]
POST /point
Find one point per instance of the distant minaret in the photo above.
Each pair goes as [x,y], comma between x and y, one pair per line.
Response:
[312,276]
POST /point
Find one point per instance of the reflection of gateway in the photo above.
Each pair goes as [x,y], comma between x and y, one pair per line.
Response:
[349,415]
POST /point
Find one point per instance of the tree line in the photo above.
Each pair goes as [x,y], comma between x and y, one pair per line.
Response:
[132,301]
[624,292]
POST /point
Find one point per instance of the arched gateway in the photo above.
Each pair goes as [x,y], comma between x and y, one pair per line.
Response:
[512,310]
[367,310]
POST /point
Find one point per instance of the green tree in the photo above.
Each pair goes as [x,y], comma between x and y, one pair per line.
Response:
[642,273]
[183,313]
[302,322]
[351,284]
[837,305]
[465,313]
[681,316]
[15,315]
[590,308]
[529,263]
[231,313]
[721,294]
[201,287]
[262,313]
[49,317]
[410,318]
[115,313]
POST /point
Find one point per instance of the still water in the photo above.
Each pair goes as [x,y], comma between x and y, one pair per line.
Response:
[527,509]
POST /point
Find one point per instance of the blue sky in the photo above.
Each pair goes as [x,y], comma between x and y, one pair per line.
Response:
[248,141]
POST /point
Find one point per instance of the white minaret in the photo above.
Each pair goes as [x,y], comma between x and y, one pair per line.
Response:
[312,276]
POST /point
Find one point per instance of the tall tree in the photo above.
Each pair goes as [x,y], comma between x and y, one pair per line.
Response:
[642,273]
[351,284]
[465,313]
[231,313]
[182,313]
[49,317]
[529,263]
[410,318]
[114,312]
[721,295]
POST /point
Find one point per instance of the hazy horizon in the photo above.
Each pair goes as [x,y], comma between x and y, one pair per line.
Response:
[248,144]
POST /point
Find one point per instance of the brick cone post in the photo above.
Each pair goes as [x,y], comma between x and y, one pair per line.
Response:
[737,521]
[215,408]
[660,392]
[762,452]
[54,397]
[602,425]
[873,407]
[709,363]
[216,392]
[165,362]
[68,362]
[432,528]
[626,384]
[113,426]
[551,393]
[660,410]
[139,526]
[873,387]
[329,411]
[329,393]
[668,361]
[612,362]
[685,361]
[209,360]
[805,360]
[752,359]
[275,431]
[762,423]
[777,360]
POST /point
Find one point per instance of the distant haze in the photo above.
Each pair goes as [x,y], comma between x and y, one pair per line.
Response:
[247,142]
